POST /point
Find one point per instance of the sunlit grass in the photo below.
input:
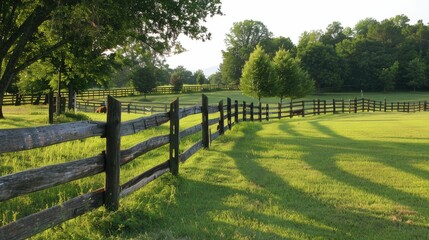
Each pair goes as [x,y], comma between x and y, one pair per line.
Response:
[345,176]
[215,97]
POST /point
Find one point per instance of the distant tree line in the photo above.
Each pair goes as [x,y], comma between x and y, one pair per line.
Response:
[373,56]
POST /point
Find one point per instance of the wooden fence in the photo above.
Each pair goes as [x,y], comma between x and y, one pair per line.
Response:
[110,160]
[127,107]
[11,99]
[288,109]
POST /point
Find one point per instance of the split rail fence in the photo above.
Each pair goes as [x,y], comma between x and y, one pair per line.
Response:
[110,160]
[12,99]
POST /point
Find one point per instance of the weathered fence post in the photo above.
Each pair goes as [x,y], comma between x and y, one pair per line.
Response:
[350,105]
[174,137]
[324,106]
[314,107]
[113,152]
[251,112]
[205,121]
[228,112]
[267,108]
[280,110]
[236,111]
[334,108]
[385,105]
[303,109]
[221,118]
[368,107]
[342,105]
[291,108]
[260,112]
[51,107]
[244,111]
[356,106]
[318,106]
[425,106]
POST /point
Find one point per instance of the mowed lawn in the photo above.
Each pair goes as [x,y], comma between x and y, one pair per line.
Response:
[363,176]
[346,176]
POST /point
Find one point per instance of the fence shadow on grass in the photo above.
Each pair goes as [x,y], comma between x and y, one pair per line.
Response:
[329,167]
[340,144]
[340,223]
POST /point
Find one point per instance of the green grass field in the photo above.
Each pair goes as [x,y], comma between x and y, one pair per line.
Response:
[347,176]
[214,97]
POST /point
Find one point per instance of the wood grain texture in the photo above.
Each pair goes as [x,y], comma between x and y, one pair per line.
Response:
[144,178]
[140,124]
[25,182]
[12,140]
[37,222]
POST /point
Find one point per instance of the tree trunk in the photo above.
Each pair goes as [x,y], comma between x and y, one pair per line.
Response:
[18,99]
[1,104]
[70,97]
[37,101]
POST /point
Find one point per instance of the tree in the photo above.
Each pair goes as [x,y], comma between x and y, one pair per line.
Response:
[289,79]
[34,80]
[306,39]
[200,77]
[388,76]
[241,41]
[231,66]
[215,78]
[334,34]
[32,30]
[323,64]
[176,80]
[362,27]
[272,45]
[144,79]
[256,81]
[417,73]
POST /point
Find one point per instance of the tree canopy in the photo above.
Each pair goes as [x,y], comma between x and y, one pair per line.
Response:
[241,41]
[36,29]
[373,55]
[256,80]
[290,80]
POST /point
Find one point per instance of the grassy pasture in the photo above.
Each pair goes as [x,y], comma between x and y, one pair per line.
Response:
[215,97]
[349,176]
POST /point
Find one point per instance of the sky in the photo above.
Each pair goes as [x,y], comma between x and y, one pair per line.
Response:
[288,18]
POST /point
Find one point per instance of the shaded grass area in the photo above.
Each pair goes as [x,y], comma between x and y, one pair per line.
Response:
[363,176]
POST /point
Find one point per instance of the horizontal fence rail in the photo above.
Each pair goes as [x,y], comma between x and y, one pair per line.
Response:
[18,99]
[224,115]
